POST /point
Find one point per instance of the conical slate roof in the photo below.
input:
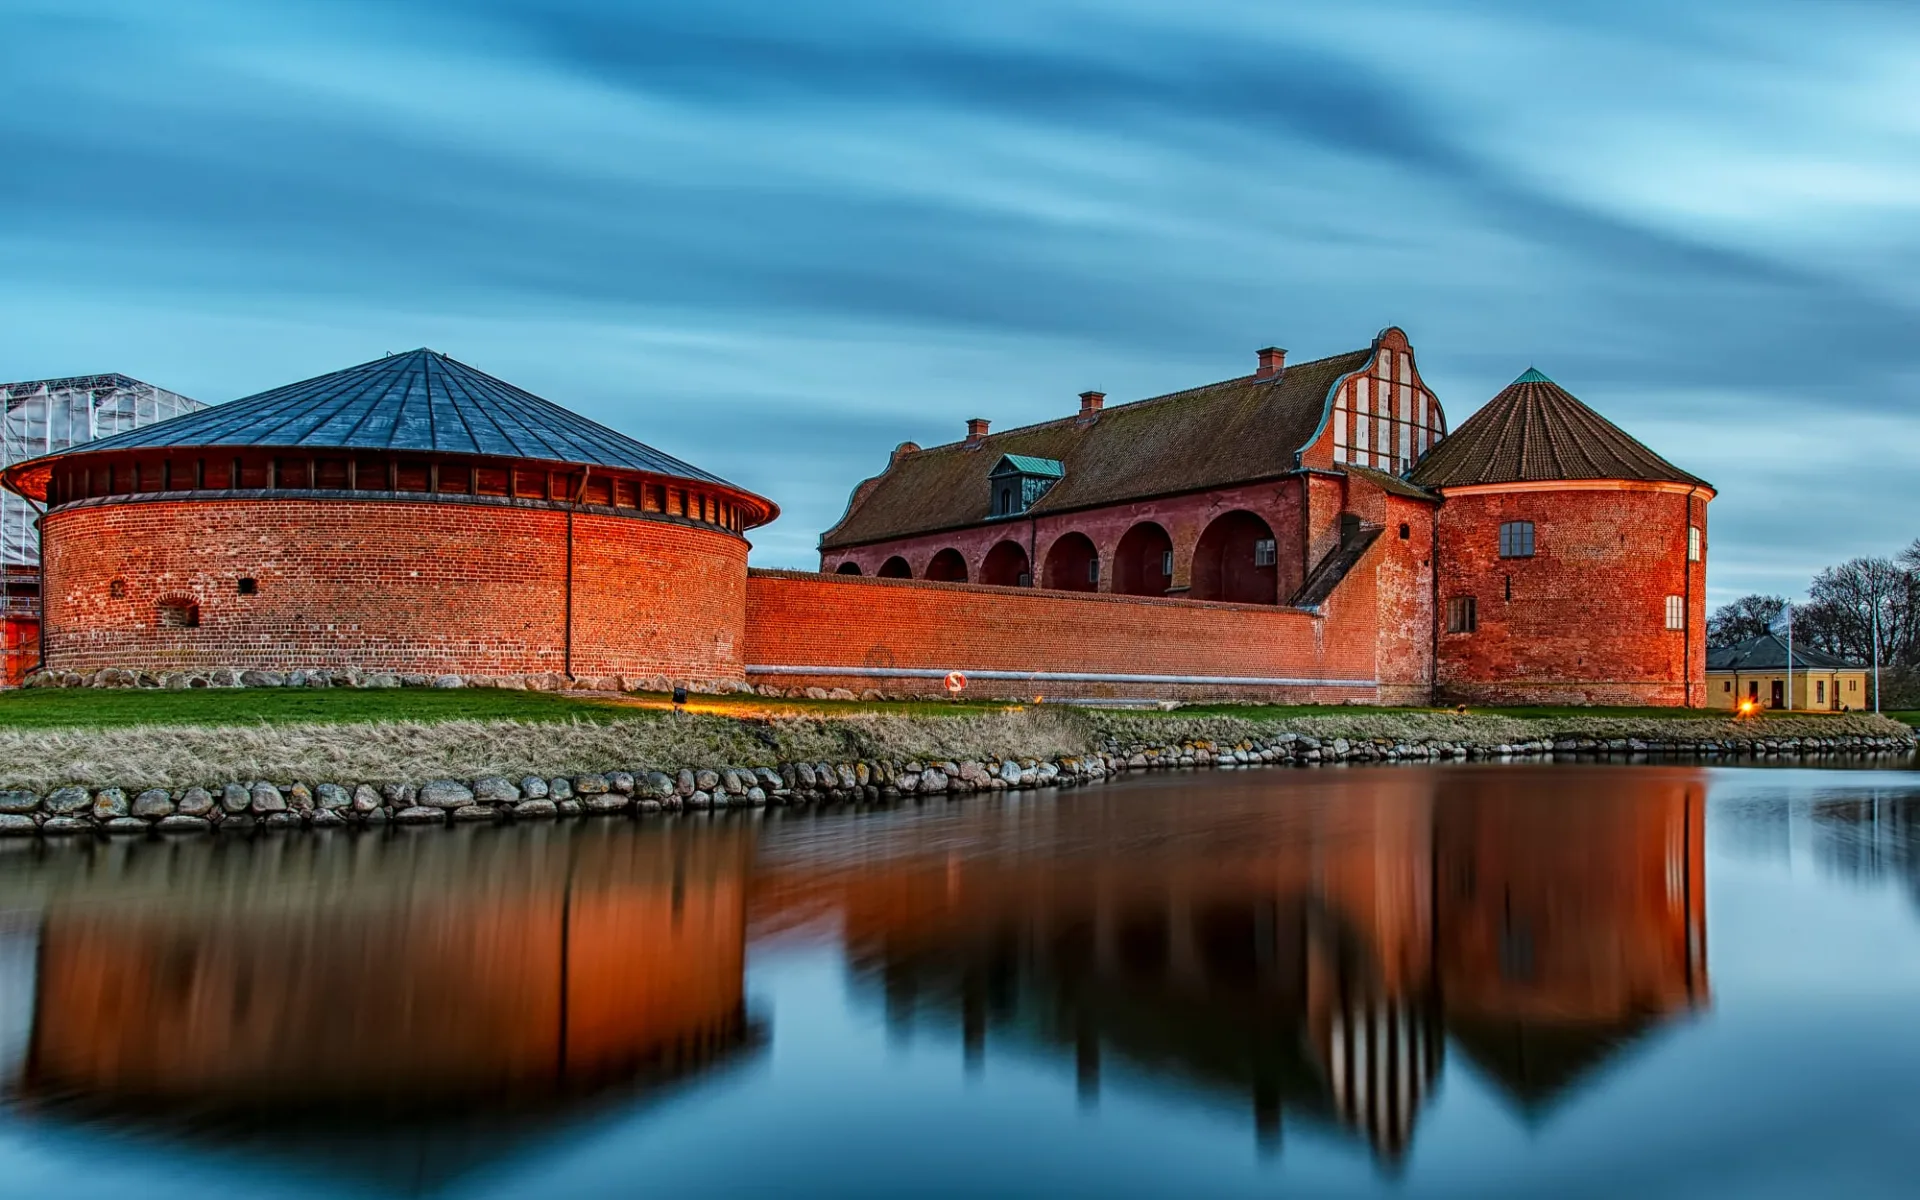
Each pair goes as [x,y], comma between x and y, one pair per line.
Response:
[418,401]
[1535,430]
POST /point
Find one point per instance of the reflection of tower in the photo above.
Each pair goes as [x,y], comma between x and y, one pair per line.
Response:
[1567,925]
[426,992]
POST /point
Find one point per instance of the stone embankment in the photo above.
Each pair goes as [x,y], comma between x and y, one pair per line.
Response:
[261,804]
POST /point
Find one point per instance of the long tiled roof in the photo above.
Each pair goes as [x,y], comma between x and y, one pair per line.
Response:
[1536,430]
[419,401]
[1213,436]
[1768,652]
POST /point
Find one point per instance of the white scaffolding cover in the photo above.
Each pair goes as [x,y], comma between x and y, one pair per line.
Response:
[48,415]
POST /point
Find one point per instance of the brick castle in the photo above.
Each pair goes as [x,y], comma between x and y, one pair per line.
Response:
[1308,532]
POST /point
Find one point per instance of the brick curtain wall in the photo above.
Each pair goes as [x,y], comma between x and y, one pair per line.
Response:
[803,619]
[427,587]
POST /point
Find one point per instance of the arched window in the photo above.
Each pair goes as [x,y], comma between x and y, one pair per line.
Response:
[1143,562]
[1237,560]
[896,568]
[847,568]
[947,567]
[1073,565]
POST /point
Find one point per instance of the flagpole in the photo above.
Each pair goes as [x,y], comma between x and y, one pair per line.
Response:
[1876,655]
[1790,657]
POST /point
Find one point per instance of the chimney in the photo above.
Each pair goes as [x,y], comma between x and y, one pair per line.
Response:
[1273,360]
[1090,402]
[976,429]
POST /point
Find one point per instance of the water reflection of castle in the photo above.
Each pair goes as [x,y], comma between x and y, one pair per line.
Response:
[419,998]
[1316,962]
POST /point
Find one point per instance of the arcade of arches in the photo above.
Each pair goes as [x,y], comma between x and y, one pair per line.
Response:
[1234,561]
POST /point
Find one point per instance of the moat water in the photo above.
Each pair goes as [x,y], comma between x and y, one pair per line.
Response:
[1471,981]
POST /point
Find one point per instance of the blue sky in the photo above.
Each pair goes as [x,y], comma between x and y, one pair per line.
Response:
[778,239]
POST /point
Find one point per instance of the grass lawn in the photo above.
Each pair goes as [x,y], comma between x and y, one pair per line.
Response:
[70,708]
[1276,712]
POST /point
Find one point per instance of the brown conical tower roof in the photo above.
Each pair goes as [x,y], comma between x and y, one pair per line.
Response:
[1536,431]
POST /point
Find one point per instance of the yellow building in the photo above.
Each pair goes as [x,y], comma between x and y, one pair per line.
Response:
[1756,670]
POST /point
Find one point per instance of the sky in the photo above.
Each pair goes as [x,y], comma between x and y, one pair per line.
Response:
[777,239]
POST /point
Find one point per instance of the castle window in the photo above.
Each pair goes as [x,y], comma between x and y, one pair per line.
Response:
[117,589]
[1693,543]
[1166,563]
[1676,612]
[1462,615]
[1265,553]
[1516,539]
[249,586]
[179,614]
[1093,570]
[1406,531]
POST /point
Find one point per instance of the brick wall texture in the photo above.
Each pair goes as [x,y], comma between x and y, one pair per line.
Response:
[800,619]
[403,586]
[1586,621]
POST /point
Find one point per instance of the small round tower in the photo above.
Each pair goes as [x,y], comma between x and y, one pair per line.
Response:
[1571,559]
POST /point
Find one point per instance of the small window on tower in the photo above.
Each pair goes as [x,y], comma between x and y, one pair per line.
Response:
[1516,539]
[1676,612]
[179,614]
[1265,553]
[1406,531]
[1693,543]
[1462,616]
[249,586]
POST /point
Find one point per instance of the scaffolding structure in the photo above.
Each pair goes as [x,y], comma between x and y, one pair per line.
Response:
[44,416]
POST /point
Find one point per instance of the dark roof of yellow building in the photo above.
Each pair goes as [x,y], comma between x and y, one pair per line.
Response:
[1223,433]
[1536,431]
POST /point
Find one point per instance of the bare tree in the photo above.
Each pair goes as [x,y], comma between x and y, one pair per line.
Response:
[1840,616]
[1747,617]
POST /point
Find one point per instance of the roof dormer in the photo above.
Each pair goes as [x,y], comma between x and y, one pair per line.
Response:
[1017,481]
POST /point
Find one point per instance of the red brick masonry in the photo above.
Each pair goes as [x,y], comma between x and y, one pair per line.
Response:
[400,585]
[904,635]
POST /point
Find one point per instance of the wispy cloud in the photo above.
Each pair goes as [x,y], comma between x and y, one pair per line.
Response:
[777,239]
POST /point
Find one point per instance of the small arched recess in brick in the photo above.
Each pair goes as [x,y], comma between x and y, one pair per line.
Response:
[895,568]
[847,568]
[1143,562]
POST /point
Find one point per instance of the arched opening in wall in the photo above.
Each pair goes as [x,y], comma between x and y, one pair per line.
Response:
[947,567]
[896,568]
[1006,566]
[1143,562]
[1237,561]
[178,612]
[847,568]
[1073,565]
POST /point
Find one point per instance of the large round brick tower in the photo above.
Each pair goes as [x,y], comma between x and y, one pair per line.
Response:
[408,515]
[1571,559]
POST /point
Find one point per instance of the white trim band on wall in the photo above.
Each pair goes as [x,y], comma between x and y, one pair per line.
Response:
[1062,677]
